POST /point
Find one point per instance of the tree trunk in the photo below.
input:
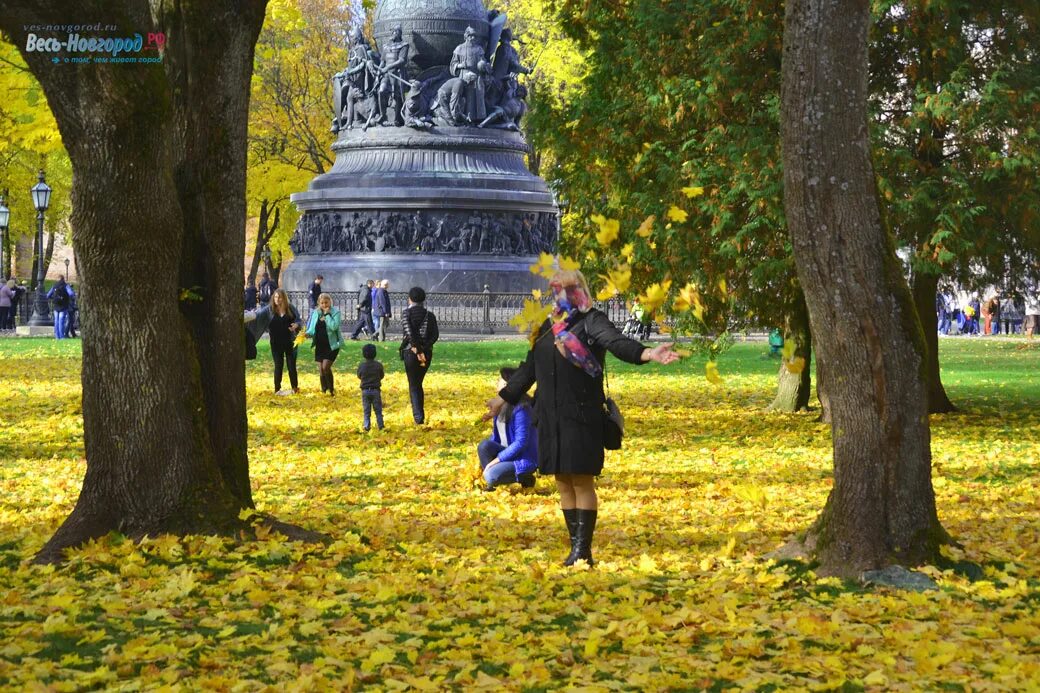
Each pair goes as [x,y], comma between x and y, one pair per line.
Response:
[821,390]
[881,509]
[48,254]
[261,239]
[794,386]
[158,215]
[924,288]
[35,260]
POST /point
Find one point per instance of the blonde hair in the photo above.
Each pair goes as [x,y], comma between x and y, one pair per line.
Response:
[10,283]
[322,297]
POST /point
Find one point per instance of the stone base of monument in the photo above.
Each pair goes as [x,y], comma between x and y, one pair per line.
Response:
[451,209]
[433,272]
[34,330]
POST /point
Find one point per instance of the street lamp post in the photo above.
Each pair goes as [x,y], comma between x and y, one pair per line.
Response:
[5,217]
[67,270]
[41,195]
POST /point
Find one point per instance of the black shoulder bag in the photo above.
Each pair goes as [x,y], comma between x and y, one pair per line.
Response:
[613,420]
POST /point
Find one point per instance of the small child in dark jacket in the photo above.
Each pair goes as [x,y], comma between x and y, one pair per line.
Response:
[371,374]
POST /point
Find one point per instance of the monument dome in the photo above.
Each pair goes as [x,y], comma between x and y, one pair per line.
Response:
[433,28]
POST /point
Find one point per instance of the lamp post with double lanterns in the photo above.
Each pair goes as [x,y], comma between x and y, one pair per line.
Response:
[5,217]
[41,196]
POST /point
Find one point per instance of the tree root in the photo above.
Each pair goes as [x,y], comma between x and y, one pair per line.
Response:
[81,527]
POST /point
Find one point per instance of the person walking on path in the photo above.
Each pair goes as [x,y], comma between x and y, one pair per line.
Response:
[315,290]
[7,298]
[420,334]
[1031,326]
[381,308]
[60,296]
[566,363]
[510,455]
[364,319]
[370,373]
[323,329]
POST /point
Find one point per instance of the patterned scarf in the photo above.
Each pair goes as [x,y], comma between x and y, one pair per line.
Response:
[569,302]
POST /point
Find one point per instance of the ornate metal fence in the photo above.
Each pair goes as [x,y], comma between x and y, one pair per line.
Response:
[468,313]
[476,313]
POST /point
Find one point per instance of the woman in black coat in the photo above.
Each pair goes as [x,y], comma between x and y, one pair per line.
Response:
[566,363]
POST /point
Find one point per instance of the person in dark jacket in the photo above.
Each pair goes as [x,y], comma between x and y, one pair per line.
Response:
[364,307]
[381,312]
[249,296]
[282,321]
[420,334]
[370,372]
[566,362]
[315,290]
[510,455]
[266,289]
[60,296]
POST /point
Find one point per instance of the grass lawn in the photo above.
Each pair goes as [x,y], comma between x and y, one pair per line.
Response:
[431,584]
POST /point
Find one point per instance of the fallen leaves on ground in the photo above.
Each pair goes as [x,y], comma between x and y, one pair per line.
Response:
[431,584]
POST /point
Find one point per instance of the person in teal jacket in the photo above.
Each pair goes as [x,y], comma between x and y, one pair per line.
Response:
[323,329]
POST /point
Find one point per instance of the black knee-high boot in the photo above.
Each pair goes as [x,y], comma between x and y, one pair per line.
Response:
[324,382]
[583,537]
[570,516]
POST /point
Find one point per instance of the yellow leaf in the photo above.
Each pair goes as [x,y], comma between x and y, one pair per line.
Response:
[655,295]
[379,657]
[711,372]
[616,281]
[568,264]
[694,191]
[676,214]
[544,266]
[876,678]
[722,285]
[608,229]
[795,365]
[690,299]
[647,227]
[628,250]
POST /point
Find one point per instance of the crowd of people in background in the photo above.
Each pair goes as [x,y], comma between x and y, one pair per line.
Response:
[272,312]
[61,299]
[1007,312]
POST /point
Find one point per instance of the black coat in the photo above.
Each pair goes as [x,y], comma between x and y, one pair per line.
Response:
[569,403]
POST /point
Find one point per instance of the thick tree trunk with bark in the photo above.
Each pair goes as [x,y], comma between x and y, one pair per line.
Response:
[881,509]
[794,387]
[158,214]
[924,288]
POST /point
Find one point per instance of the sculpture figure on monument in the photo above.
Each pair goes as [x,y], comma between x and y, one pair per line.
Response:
[353,84]
[468,64]
[416,110]
[510,110]
[390,96]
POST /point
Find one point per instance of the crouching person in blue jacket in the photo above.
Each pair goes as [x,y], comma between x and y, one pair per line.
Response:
[510,455]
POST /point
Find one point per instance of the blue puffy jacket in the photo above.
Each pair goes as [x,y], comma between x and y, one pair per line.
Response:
[522,450]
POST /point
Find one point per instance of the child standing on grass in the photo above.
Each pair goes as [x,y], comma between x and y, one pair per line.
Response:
[371,374]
